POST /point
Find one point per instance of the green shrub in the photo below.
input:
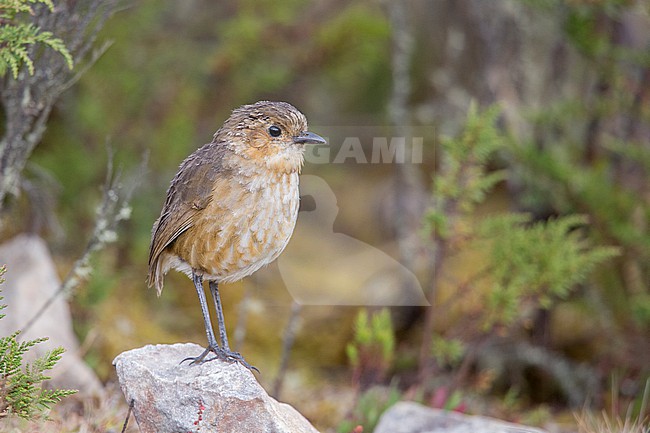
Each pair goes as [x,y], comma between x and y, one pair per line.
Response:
[21,390]
[17,37]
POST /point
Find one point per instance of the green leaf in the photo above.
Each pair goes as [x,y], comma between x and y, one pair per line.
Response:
[17,36]
[21,393]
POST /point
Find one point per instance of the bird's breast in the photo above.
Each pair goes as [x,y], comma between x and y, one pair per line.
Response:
[244,227]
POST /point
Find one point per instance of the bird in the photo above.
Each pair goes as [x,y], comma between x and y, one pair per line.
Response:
[232,208]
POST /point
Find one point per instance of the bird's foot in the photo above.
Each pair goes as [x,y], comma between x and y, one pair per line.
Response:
[230,356]
[222,354]
[196,360]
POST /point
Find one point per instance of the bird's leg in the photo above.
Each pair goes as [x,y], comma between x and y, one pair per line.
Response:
[212,341]
[230,355]
[214,289]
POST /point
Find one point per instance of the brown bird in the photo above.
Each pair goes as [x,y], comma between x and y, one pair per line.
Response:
[232,207]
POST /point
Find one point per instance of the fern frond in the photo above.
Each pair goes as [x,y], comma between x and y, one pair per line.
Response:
[17,36]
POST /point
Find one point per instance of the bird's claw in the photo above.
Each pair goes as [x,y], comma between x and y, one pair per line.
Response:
[231,356]
[196,360]
[222,354]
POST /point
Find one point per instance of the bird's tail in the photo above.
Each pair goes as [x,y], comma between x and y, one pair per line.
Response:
[155,276]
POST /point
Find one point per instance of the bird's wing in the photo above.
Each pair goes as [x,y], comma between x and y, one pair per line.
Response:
[189,193]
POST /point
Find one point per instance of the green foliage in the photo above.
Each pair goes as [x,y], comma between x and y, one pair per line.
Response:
[535,263]
[21,391]
[354,63]
[454,400]
[371,354]
[372,333]
[369,408]
[589,154]
[447,351]
[580,26]
[372,351]
[16,36]
[552,174]
[641,308]
[463,181]
[527,265]
[267,45]
[257,48]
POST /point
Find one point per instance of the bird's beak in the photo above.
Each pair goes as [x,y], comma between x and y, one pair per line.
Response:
[309,138]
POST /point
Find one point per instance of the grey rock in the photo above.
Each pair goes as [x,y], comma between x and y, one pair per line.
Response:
[409,417]
[31,280]
[216,396]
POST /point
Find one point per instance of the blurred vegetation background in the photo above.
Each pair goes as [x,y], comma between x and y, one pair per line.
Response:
[528,228]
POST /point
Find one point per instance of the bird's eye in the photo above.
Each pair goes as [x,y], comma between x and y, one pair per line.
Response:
[275,131]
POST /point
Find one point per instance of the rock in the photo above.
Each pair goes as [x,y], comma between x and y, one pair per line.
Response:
[214,397]
[31,280]
[409,417]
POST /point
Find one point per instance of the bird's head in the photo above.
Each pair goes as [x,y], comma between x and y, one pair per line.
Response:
[270,135]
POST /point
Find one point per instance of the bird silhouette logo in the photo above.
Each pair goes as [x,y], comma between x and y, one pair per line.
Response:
[349,271]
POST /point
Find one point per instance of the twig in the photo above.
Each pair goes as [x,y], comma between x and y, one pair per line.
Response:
[94,57]
[113,209]
[128,415]
[407,183]
[575,381]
